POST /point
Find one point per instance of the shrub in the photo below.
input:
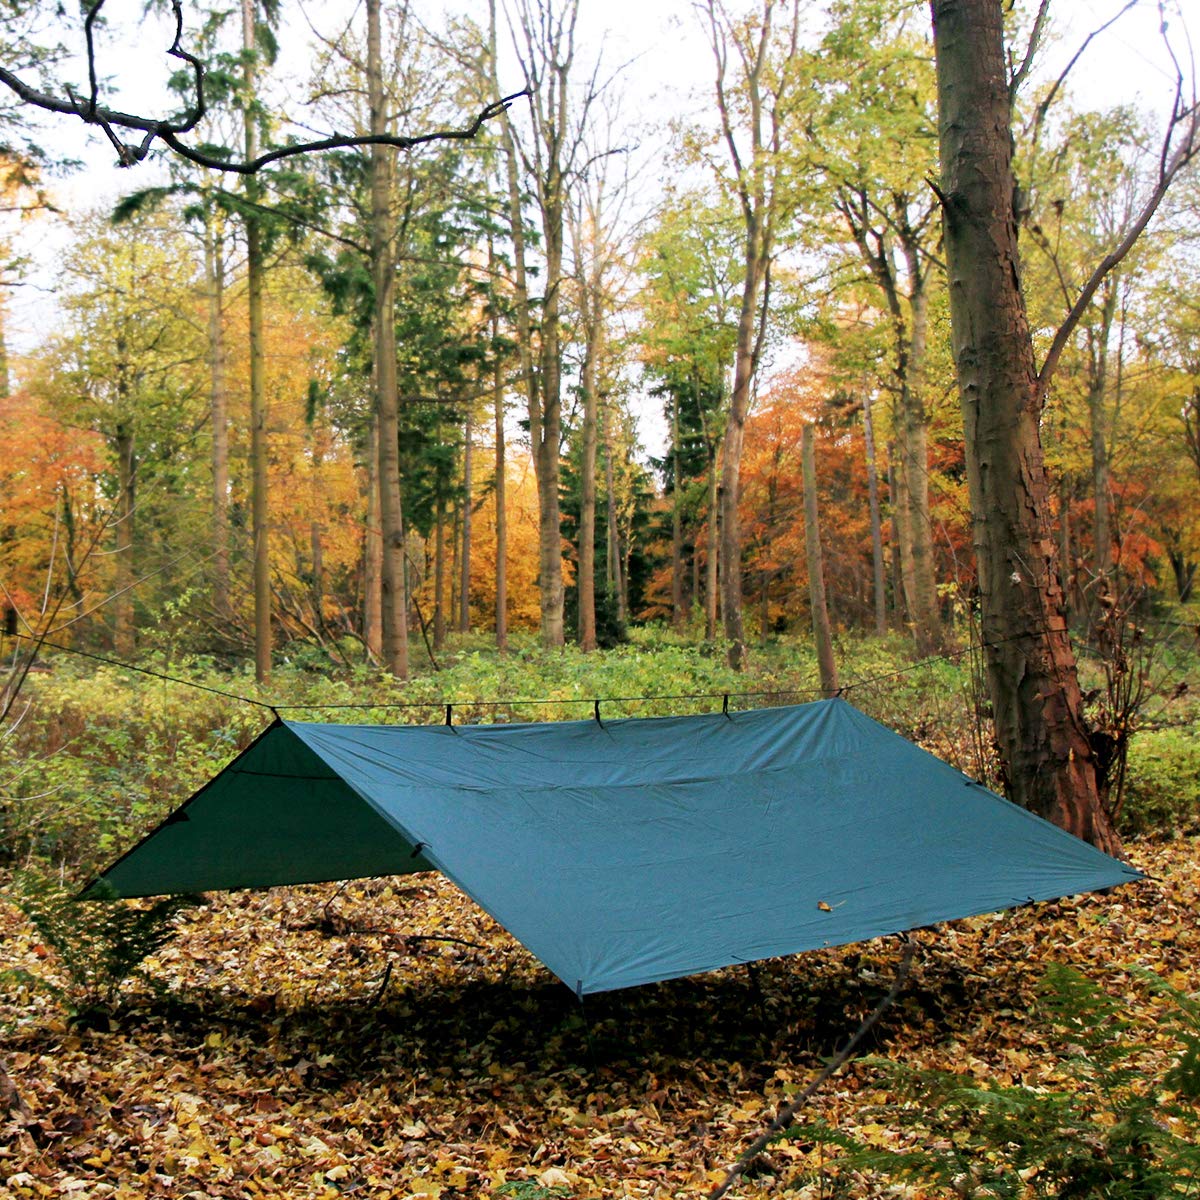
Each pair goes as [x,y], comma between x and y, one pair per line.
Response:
[1105,1129]
[1162,783]
[98,944]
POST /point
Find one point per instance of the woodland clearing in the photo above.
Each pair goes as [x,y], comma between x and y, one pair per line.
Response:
[305,1043]
[388,1039]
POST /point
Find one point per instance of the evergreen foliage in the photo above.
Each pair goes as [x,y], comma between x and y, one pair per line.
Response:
[98,945]
[1107,1130]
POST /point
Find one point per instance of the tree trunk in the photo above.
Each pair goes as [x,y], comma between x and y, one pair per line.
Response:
[255,266]
[123,635]
[1066,569]
[373,553]
[316,546]
[1098,428]
[731,450]
[677,610]
[822,633]
[586,583]
[5,380]
[464,565]
[712,551]
[895,505]
[1184,571]
[214,271]
[387,403]
[545,430]
[876,528]
[614,574]
[439,571]
[1047,758]
[500,492]
[922,602]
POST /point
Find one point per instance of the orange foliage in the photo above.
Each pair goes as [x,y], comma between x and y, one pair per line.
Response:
[522,508]
[772,502]
[51,505]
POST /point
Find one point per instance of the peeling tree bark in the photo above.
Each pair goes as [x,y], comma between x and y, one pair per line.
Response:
[1043,739]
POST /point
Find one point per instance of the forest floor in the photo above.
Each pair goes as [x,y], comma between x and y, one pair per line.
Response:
[305,1042]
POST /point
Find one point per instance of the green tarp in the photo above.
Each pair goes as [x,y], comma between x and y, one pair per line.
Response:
[634,850]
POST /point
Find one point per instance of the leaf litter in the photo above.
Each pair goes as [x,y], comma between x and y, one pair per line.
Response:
[387,1039]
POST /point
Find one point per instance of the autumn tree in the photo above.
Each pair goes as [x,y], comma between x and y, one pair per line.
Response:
[875,134]
[129,370]
[1050,764]
[758,92]
[689,304]
[542,157]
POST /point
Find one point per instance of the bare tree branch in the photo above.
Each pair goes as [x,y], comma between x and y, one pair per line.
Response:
[1180,145]
[1043,108]
[1035,40]
[169,132]
[787,1114]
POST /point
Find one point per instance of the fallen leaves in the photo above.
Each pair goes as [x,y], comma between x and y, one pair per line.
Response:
[265,1066]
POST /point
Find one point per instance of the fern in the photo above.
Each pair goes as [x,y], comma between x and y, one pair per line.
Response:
[1114,1132]
[98,944]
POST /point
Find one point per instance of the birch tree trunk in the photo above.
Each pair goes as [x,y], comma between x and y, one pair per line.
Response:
[1040,727]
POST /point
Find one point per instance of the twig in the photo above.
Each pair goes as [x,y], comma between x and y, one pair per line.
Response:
[383,983]
[168,131]
[787,1114]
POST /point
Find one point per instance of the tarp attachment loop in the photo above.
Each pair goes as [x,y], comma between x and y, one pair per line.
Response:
[725,705]
[596,713]
[449,715]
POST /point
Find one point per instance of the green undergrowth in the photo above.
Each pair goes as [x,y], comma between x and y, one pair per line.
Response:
[94,756]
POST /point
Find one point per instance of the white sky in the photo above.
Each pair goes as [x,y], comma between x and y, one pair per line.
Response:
[668,74]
